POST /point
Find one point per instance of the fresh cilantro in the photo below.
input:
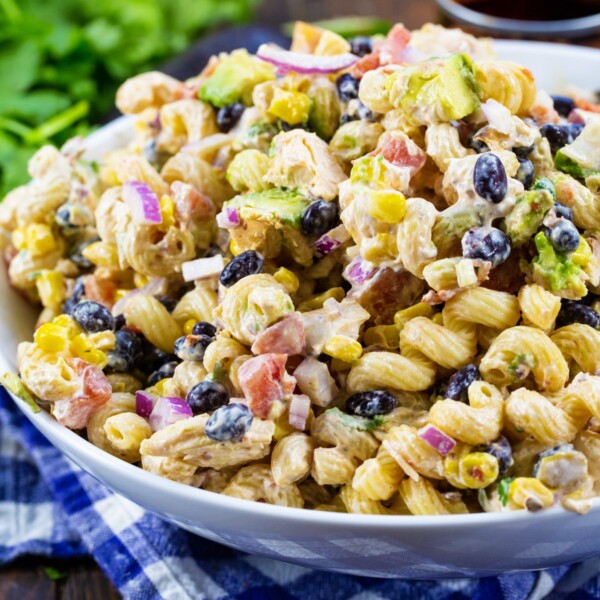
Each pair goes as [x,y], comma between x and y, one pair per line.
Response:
[61,62]
[54,574]
[503,488]
[360,423]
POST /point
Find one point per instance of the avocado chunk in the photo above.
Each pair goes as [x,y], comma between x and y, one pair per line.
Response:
[436,90]
[271,224]
[581,158]
[556,271]
[234,78]
[283,206]
[527,215]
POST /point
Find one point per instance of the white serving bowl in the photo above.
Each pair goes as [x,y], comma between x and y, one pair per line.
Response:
[378,546]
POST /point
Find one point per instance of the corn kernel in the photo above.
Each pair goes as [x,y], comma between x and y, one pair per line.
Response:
[418,310]
[583,254]
[18,238]
[103,340]
[121,293]
[386,336]
[478,469]
[381,247]
[69,324]
[282,427]
[51,288]
[188,326]
[344,348]
[51,337]
[235,248]
[39,238]
[140,280]
[465,273]
[167,212]
[82,347]
[160,386]
[290,106]
[315,302]
[529,493]
[102,254]
[287,279]
[388,206]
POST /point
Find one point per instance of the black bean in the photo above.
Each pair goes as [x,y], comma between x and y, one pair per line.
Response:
[192,347]
[563,211]
[244,264]
[361,45]
[207,396]
[486,243]
[228,116]
[563,105]
[127,351]
[164,372]
[347,87]
[489,178]
[557,135]
[576,312]
[370,404]
[563,236]
[229,423]
[502,450]
[459,382]
[319,218]
[525,172]
[204,328]
[93,317]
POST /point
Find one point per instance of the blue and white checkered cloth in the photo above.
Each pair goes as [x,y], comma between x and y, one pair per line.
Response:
[49,507]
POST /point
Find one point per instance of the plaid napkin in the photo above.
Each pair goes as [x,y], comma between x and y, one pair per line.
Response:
[50,507]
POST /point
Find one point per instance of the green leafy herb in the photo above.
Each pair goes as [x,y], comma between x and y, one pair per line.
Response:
[360,423]
[503,488]
[61,62]
[54,574]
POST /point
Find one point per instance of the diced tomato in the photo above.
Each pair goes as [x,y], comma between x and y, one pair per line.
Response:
[285,337]
[387,52]
[190,204]
[390,52]
[261,379]
[364,64]
[94,391]
[401,151]
[100,290]
[587,105]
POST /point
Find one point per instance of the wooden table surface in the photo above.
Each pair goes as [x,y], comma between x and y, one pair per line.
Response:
[25,579]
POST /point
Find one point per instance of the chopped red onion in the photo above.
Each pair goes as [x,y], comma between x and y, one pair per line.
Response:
[228,218]
[299,410]
[326,245]
[144,403]
[298,62]
[332,240]
[201,268]
[437,439]
[142,202]
[167,411]
[156,287]
[359,271]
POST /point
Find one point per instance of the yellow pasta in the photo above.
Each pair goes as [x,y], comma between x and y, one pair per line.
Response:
[198,304]
[256,482]
[520,350]
[579,344]
[478,422]
[291,459]
[423,499]
[153,320]
[529,411]
[538,306]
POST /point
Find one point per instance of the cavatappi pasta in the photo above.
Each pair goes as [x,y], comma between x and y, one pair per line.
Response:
[370,287]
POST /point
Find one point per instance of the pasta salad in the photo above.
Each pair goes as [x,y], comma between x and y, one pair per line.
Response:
[356,276]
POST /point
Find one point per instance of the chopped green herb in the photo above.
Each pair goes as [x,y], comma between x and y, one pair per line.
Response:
[520,366]
[503,488]
[360,423]
[14,385]
[54,574]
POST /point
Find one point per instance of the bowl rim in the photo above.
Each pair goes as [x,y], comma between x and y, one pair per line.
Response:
[579,26]
[180,492]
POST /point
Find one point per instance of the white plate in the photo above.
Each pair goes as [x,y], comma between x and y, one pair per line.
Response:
[419,547]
